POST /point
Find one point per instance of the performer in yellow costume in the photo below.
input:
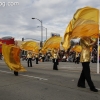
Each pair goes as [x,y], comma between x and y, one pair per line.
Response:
[11,54]
[86,44]
[55,61]
[29,59]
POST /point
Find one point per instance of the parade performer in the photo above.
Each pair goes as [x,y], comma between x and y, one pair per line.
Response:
[29,59]
[55,62]
[43,57]
[77,58]
[85,58]
[15,73]
[37,59]
[11,54]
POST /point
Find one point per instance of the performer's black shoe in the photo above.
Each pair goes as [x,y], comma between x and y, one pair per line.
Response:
[55,69]
[15,73]
[82,86]
[94,89]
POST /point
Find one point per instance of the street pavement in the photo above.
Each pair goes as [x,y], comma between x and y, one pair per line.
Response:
[41,82]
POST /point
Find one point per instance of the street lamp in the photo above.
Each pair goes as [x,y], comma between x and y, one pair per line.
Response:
[46,31]
[41,30]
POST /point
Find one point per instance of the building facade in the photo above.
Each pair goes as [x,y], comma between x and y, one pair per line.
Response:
[6,40]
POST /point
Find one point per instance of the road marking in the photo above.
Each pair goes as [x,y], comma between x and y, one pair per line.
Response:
[25,75]
[5,72]
[34,77]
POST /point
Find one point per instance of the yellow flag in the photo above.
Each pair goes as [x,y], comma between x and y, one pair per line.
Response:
[30,46]
[87,13]
[77,48]
[67,37]
[85,22]
[51,43]
[11,55]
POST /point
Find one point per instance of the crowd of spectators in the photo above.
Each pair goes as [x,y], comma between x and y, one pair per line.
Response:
[70,56]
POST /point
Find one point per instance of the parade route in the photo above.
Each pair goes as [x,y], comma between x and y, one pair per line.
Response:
[41,82]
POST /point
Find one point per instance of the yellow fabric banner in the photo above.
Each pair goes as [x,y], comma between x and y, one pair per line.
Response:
[77,48]
[52,43]
[30,46]
[85,22]
[11,55]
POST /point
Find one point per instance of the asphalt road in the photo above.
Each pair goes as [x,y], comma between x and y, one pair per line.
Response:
[41,82]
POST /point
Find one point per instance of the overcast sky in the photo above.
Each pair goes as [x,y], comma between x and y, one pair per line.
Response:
[16,16]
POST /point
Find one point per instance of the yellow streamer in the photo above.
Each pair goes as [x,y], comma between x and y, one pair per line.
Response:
[11,55]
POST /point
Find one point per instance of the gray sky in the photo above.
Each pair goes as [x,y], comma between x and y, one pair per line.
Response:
[16,16]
